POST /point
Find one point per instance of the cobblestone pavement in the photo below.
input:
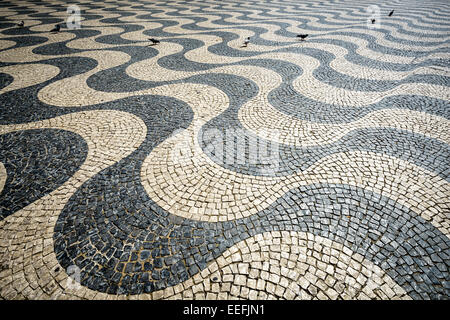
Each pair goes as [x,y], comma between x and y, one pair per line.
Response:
[202,168]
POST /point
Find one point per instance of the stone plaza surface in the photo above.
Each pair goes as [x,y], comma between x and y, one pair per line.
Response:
[132,170]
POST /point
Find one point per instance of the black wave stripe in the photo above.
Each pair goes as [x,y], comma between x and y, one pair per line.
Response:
[37,162]
[5,80]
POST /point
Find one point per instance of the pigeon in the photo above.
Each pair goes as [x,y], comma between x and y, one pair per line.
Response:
[391,13]
[154,41]
[246,42]
[373,21]
[56,28]
[21,24]
[302,36]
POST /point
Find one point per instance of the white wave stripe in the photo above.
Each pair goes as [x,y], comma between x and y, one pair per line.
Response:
[281,263]
[28,75]
[3,176]
[5,44]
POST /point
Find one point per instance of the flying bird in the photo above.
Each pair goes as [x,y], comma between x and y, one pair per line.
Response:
[391,13]
[154,41]
[21,24]
[373,21]
[302,36]
[56,28]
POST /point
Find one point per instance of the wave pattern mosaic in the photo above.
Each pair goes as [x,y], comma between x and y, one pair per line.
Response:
[206,150]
